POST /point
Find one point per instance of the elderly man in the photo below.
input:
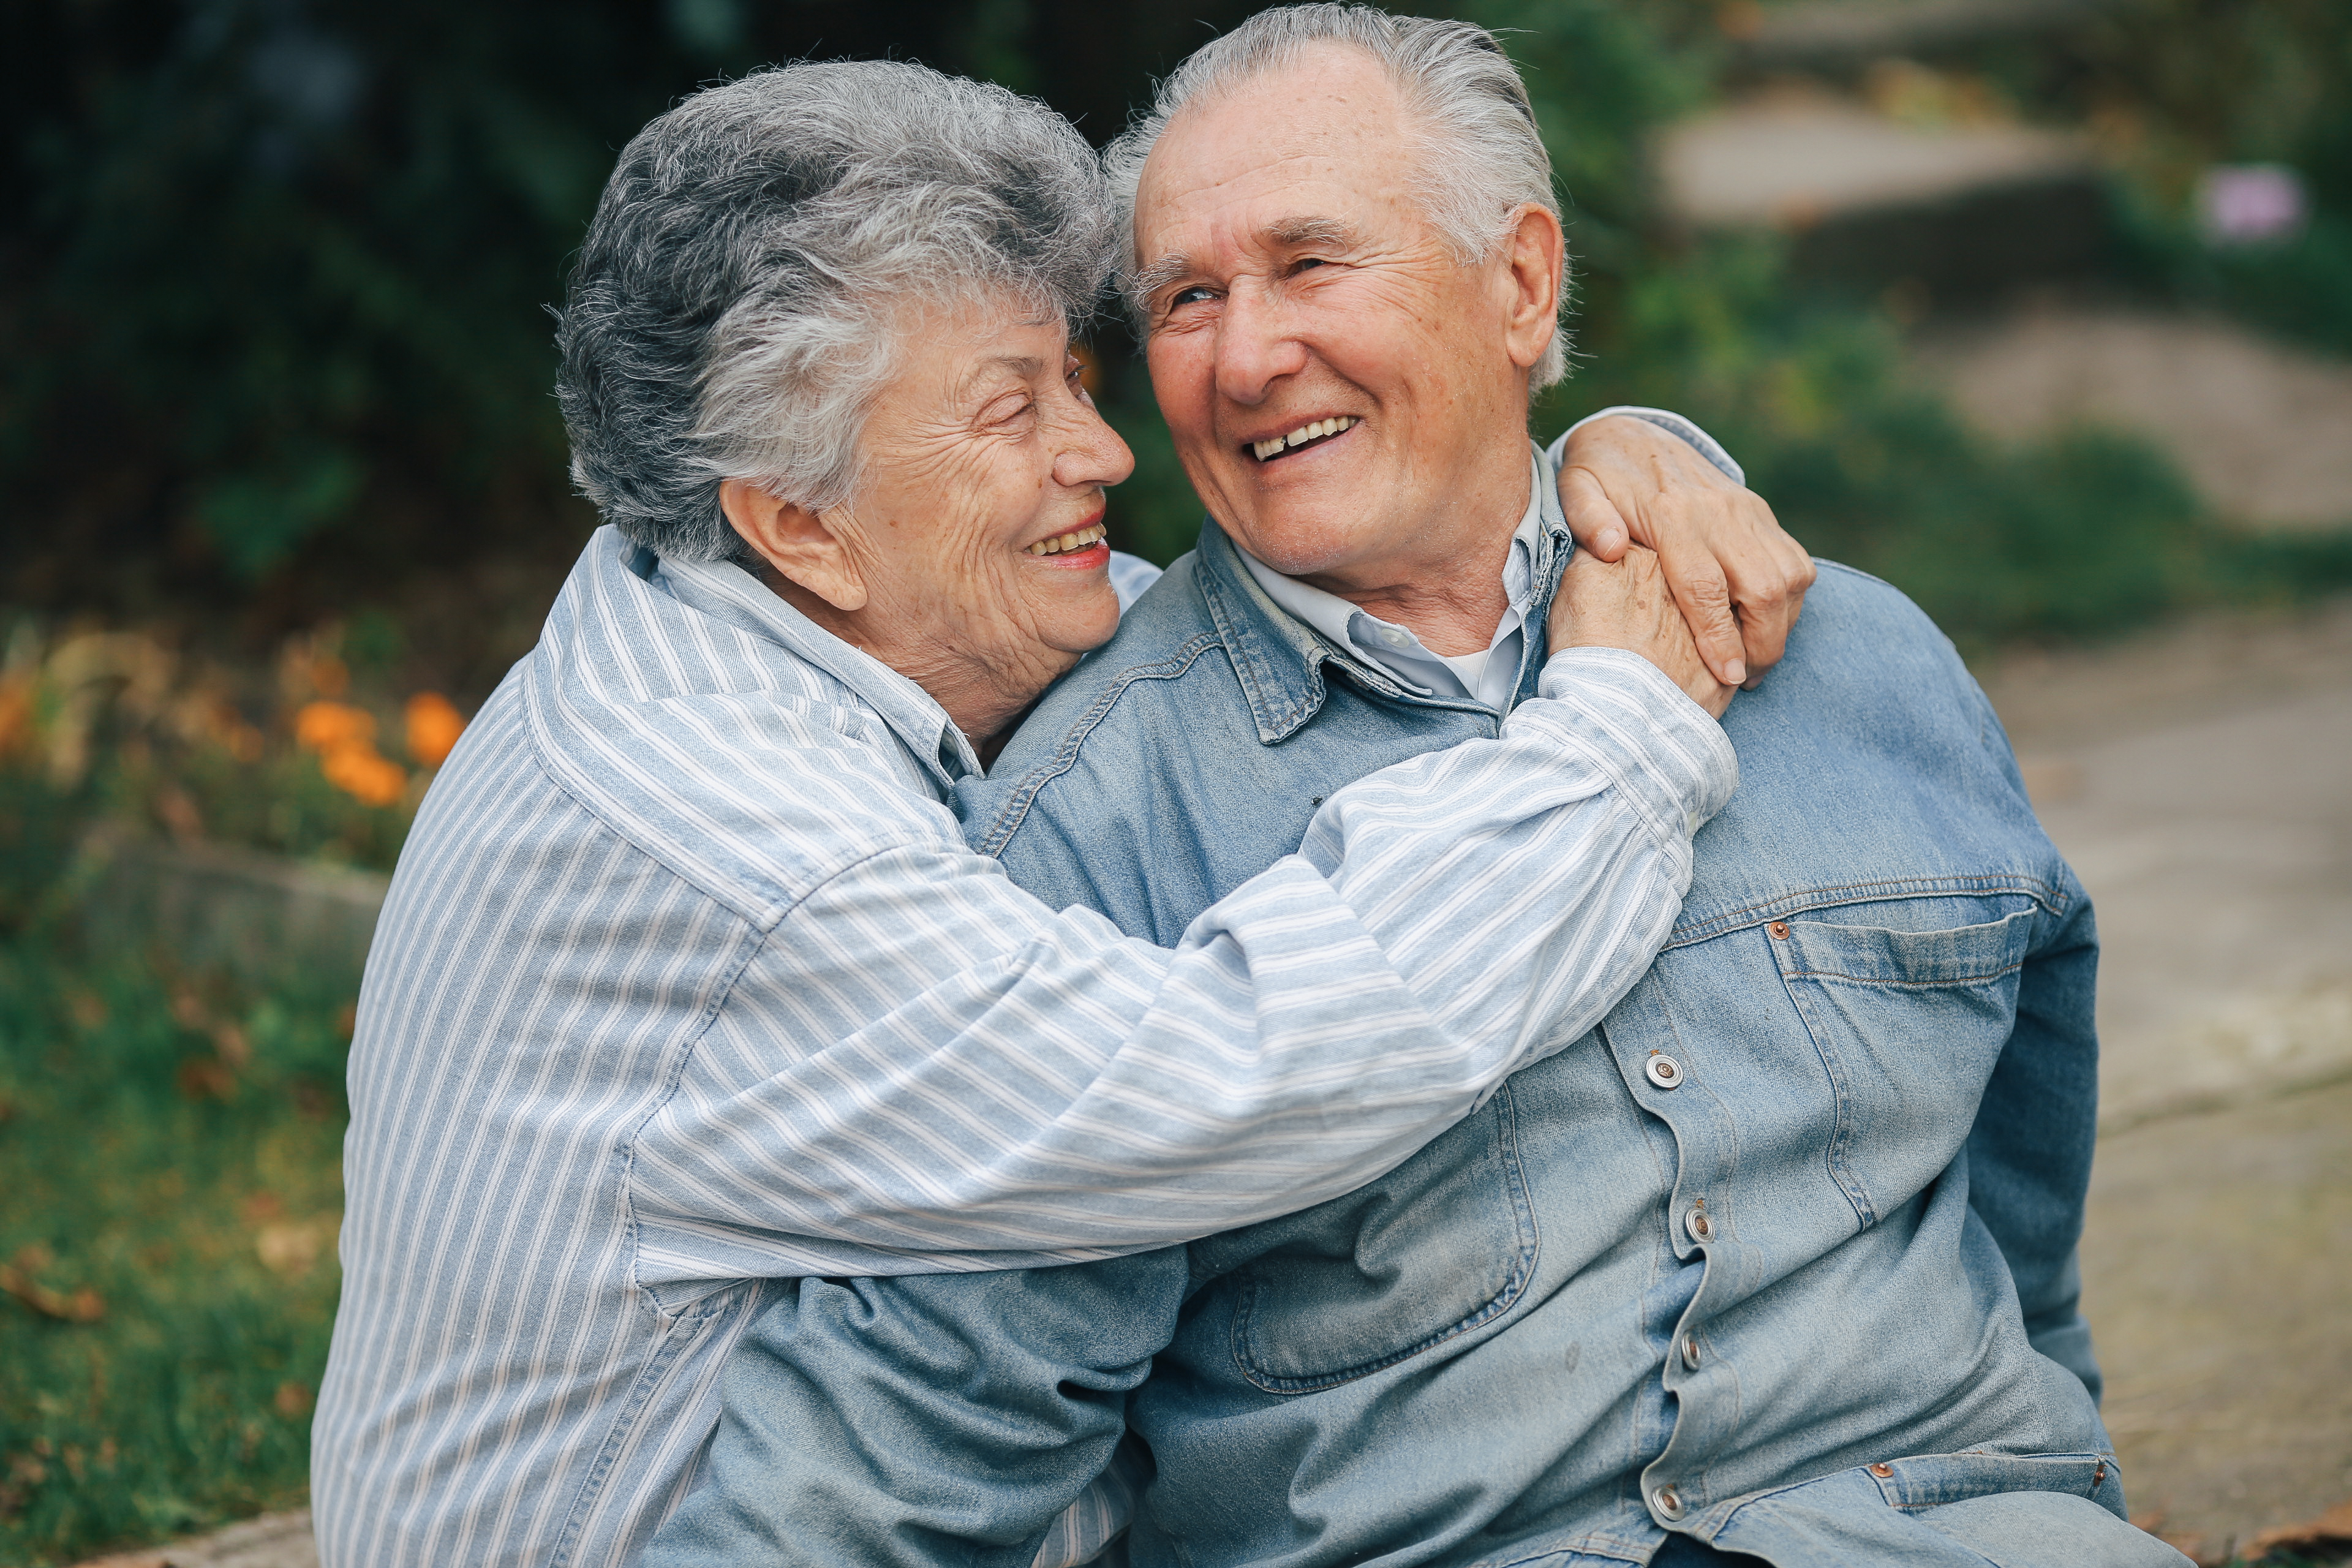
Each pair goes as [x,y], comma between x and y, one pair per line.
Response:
[1777,1262]
[688,984]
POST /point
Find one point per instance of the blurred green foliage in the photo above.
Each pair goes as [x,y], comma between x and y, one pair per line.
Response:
[271,280]
[170,1151]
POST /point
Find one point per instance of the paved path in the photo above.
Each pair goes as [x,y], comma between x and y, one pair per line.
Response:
[2201,782]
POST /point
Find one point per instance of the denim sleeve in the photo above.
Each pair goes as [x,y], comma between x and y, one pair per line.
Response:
[2029,1151]
[923,1420]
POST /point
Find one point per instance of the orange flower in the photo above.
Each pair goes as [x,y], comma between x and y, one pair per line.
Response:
[434,726]
[360,773]
[325,726]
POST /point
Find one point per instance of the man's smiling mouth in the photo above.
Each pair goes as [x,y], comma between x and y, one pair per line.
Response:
[1306,435]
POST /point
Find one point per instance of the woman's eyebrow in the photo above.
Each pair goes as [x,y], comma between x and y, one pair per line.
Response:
[1022,368]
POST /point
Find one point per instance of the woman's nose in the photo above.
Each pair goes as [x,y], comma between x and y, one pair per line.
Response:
[1093,454]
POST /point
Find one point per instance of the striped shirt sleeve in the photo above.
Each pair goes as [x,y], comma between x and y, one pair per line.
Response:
[923,1067]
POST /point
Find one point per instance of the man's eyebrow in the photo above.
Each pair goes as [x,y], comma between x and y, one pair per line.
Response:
[1150,280]
[1288,232]
[1298,231]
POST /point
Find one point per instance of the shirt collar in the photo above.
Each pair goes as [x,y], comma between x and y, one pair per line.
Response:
[1395,648]
[1279,655]
[725,592]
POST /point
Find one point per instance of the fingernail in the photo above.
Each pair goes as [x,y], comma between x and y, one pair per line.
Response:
[1737,671]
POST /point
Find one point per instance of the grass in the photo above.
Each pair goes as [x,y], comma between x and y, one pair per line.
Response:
[171,1148]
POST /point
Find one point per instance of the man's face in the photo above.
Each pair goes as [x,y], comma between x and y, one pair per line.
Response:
[1292,285]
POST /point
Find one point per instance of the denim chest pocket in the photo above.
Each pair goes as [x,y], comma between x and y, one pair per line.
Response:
[1909,1024]
[1440,1246]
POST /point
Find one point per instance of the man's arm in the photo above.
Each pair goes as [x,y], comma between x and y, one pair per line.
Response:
[1653,478]
[2029,1151]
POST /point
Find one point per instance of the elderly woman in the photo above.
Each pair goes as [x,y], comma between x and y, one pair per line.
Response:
[689,985]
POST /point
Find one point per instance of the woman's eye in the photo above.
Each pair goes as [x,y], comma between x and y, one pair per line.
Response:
[1302,264]
[1192,296]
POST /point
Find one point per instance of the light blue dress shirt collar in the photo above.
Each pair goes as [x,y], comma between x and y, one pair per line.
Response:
[1488,676]
[1482,677]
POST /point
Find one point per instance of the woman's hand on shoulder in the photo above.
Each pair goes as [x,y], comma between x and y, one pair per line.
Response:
[1737,576]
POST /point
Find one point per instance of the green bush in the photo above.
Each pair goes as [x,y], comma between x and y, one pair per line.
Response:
[170,1148]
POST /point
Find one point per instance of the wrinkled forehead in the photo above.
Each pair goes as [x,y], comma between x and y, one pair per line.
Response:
[1322,139]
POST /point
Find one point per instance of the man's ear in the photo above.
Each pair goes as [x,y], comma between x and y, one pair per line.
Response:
[797,542]
[1535,261]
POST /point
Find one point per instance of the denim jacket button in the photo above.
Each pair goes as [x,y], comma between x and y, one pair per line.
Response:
[1690,1350]
[1664,1071]
[1779,929]
[1669,1502]
[1701,1229]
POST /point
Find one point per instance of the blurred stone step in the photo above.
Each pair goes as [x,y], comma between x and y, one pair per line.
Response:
[262,917]
[1961,210]
[273,1541]
[2263,430]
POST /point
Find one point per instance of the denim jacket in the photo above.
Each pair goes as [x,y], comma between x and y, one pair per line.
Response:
[1781,1257]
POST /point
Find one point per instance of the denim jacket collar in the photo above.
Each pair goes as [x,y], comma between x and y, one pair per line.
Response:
[1279,658]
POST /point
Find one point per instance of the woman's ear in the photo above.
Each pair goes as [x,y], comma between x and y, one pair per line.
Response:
[799,543]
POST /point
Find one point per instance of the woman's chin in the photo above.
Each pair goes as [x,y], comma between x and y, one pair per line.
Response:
[1082,622]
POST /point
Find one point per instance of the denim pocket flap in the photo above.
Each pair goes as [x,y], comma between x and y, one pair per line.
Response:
[1880,955]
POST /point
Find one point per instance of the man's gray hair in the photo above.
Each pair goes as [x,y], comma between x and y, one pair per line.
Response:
[1482,156]
[734,310]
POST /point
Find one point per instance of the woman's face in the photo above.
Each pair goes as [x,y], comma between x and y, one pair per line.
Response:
[975,539]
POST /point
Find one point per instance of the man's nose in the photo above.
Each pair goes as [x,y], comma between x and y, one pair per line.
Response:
[1255,347]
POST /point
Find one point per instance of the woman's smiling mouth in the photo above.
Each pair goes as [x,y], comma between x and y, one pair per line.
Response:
[1083,538]
[1306,435]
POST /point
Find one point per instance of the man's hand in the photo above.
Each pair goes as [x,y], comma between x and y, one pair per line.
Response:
[1739,578]
[1626,603]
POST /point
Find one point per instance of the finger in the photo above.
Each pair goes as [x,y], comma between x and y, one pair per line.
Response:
[1592,517]
[1768,574]
[1704,595]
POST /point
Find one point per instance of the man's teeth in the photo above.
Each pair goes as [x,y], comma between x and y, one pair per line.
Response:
[1304,434]
[1077,540]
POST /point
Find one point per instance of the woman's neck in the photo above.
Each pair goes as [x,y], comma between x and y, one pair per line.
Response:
[979,702]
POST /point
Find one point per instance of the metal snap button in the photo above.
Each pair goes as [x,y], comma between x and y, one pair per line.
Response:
[1669,1502]
[1881,1470]
[1700,1227]
[1690,1350]
[1779,929]
[1664,1071]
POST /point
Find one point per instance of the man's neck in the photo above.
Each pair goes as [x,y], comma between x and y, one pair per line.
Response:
[1448,591]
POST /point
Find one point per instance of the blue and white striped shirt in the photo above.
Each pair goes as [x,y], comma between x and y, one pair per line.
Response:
[689,982]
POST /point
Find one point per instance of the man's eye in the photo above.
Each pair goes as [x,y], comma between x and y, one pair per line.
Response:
[1192,296]
[1304,262]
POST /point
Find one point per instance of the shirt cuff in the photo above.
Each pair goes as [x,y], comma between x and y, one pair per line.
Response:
[1706,445]
[1669,754]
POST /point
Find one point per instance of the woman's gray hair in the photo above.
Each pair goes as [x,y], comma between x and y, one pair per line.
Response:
[735,307]
[1482,155]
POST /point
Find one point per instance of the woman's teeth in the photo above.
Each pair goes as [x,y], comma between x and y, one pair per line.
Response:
[1300,437]
[1077,540]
